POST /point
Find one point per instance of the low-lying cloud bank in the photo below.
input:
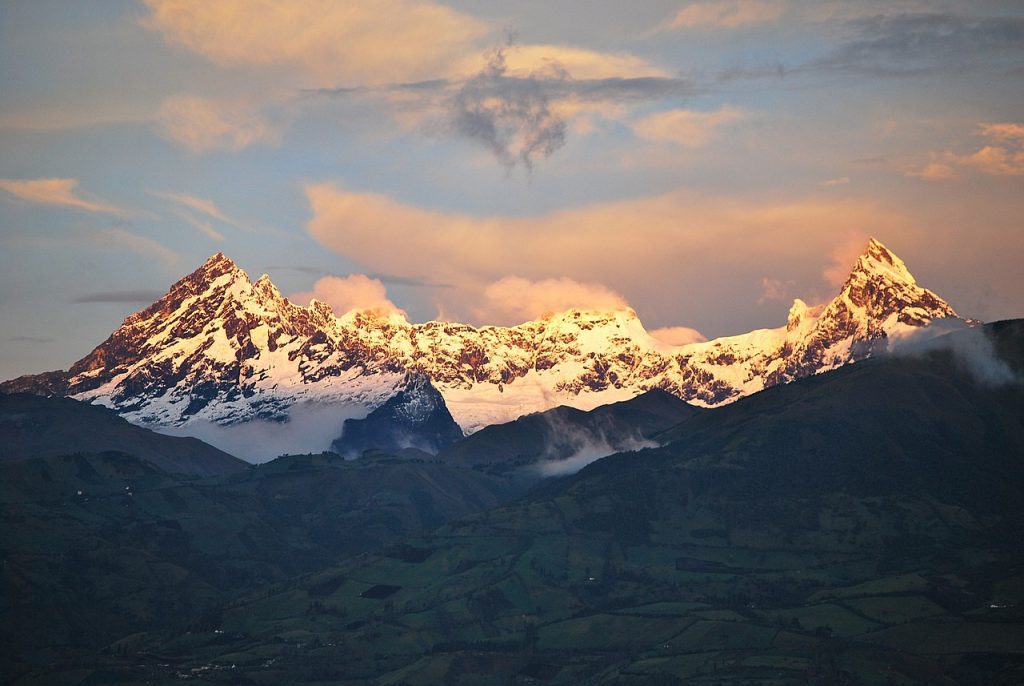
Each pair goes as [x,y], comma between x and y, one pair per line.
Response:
[971,348]
[311,427]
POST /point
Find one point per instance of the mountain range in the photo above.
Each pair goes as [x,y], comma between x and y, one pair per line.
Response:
[221,348]
[856,527]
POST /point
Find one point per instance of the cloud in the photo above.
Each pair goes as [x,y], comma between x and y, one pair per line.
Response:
[687,128]
[202,124]
[351,293]
[933,171]
[1003,155]
[139,297]
[192,203]
[972,350]
[204,227]
[678,335]
[356,43]
[201,205]
[58,192]
[520,101]
[922,42]
[723,14]
[996,161]
[510,117]
[409,281]
[840,181]
[523,60]
[311,427]
[642,248]
[842,257]
[514,299]
[1007,131]
[119,239]
[29,339]
[777,289]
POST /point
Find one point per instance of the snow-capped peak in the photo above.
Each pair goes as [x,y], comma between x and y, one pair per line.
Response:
[878,261]
[221,348]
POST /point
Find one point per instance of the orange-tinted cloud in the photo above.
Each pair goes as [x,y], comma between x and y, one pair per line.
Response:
[336,43]
[58,192]
[996,160]
[723,14]
[843,256]
[689,128]
[202,124]
[1003,155]
[776,289]
[349,293]
[934,171]
[580,63]
[639,248]
[513,299]
[1006,131]
[678,335]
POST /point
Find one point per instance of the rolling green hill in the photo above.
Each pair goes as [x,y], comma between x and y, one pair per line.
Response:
[858,527]
[559,434]
[97,547]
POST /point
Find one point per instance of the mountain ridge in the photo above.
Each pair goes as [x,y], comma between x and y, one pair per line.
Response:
[35,427]
[222,348]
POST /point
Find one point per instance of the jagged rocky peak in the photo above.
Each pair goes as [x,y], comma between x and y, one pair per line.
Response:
[415,417]
[219,347]
[877,259]
[215,267]
[800,314]
[882,286]
[266,287]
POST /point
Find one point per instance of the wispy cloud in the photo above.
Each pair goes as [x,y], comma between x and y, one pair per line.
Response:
[29,339]
[136,297]
[202,205]
[410,281]
[688,128]
[723,14]
[203,226]
[185,204]
[776,289]
[59,193]
[914,43]
[203,124]
[933,171]
[116,238]
[843,255]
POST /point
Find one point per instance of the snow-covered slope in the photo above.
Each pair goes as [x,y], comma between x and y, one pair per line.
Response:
[221,348]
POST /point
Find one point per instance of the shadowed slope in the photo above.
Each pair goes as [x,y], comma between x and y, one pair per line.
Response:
[857,527]
[37,426]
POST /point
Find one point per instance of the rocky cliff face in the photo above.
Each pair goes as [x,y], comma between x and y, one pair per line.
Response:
[219,347]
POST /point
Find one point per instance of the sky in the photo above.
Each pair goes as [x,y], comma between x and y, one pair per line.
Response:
[701,162]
